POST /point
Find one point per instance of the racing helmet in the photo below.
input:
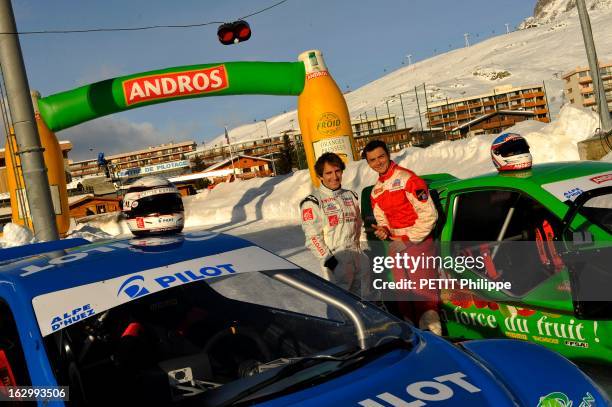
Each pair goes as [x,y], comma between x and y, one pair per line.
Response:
[509,152]
[153,206]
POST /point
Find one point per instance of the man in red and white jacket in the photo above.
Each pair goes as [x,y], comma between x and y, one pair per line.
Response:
[406,214]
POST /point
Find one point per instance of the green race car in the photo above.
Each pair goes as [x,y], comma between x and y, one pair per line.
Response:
[543,238]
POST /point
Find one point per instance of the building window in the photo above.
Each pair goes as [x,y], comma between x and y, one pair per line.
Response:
[570,90]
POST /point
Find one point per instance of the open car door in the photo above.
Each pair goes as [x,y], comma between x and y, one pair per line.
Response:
[588,254]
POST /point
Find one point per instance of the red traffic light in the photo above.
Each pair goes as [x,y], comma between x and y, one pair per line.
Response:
[226,34]
[233,33]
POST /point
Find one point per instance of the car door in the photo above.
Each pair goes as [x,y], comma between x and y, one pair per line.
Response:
[517,236]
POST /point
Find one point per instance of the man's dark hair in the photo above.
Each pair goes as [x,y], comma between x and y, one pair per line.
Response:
[329,158]
[373,145]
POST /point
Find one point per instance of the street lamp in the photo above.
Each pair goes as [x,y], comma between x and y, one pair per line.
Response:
[229,144]
[270,140]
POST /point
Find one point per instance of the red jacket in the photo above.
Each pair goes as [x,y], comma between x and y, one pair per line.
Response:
[401,202]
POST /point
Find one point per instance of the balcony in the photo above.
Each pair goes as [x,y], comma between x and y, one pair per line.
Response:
[585,79]
[588,102]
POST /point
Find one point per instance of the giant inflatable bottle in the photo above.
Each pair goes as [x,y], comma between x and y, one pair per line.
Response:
[55,172]
[323,115]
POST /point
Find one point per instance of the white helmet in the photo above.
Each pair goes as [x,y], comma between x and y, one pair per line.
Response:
[153,206]
[509,152]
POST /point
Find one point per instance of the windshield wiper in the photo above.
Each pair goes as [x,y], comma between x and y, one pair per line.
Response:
[309,361]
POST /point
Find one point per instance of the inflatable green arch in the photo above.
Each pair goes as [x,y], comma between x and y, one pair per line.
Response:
[69,108]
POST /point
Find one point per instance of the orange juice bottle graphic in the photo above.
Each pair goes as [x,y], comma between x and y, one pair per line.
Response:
[54,162]
[323,115]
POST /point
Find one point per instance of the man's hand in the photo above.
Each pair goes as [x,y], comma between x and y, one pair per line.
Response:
[381,232]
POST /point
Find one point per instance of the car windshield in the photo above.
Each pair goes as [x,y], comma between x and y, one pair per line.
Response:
[598,210]
[215,339]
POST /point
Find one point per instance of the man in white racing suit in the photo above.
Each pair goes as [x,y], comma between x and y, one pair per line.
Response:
[331,221]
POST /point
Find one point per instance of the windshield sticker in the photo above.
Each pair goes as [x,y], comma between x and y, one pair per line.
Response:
[133,245]
[57,310]
[570,189]
[556,399]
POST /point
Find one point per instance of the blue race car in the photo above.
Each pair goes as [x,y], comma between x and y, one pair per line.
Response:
[212,320]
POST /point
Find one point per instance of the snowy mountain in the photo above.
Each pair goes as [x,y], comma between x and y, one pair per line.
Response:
[547,11]
[523,57]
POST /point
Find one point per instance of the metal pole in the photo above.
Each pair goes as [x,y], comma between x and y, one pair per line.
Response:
[403,113]
[546,98]
[376,115]
[427,107]
[598,89]
[419,109]
[28,141]
[388,112]
[229,144]
[268,135]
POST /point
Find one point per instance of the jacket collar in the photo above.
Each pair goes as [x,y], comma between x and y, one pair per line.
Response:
[389,172]
[328,192]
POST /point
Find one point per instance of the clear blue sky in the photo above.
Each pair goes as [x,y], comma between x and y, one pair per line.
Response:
[361,41]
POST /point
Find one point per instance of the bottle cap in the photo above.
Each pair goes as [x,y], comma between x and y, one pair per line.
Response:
[313,61]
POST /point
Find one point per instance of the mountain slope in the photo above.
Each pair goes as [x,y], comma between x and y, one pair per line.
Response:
[529,56]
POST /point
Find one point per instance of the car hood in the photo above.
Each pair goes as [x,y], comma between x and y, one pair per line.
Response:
[437,372]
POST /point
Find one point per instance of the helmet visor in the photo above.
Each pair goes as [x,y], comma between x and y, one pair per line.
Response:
[513,147]
[163,204]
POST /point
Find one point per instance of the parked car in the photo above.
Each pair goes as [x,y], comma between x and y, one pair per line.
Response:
[546,231]
[212,320]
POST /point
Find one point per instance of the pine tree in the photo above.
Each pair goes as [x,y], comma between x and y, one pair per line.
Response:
[284,163]
[197,163]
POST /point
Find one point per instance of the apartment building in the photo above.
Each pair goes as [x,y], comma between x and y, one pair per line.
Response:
[257,147]
[451,114]
[578,86]
[170,159]
[364,125]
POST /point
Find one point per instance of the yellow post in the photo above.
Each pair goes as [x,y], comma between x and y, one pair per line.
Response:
[54,162]
[323,115]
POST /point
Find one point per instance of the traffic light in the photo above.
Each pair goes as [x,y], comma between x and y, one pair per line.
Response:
[233,33]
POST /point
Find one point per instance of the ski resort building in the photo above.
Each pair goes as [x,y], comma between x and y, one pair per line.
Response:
[578,86]
[451,114]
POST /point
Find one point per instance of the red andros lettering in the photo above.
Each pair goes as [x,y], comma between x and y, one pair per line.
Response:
[174,84]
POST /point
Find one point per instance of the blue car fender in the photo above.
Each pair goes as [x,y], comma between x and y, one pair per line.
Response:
[535,374]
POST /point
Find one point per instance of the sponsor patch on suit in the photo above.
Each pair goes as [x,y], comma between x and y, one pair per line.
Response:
[307,214]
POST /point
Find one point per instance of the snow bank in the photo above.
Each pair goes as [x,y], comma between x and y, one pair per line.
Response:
[15,235]
[277,198]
